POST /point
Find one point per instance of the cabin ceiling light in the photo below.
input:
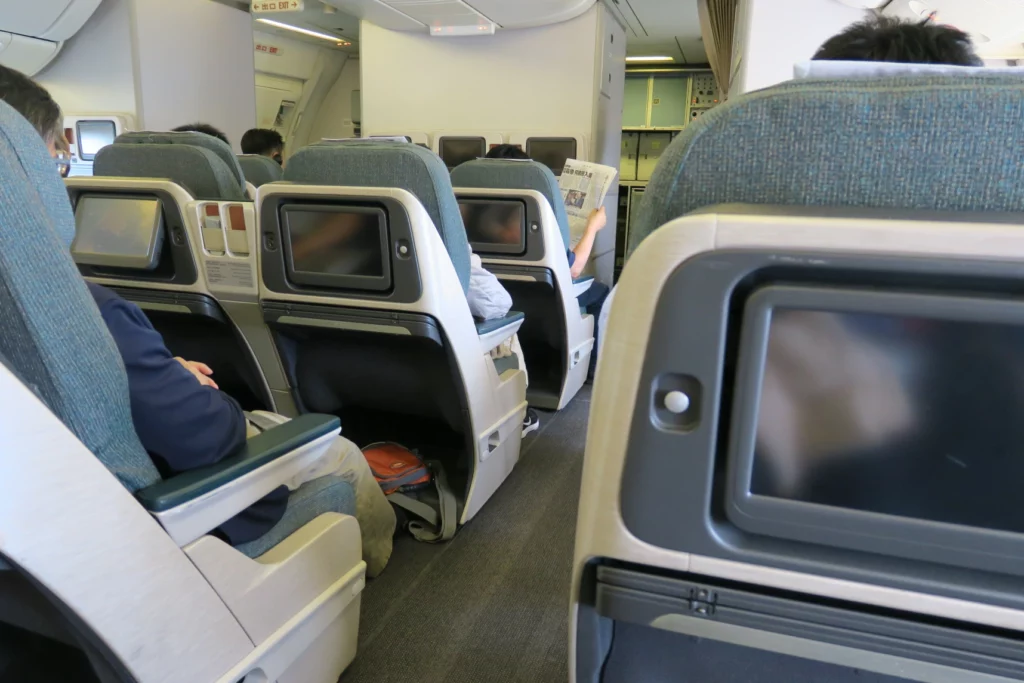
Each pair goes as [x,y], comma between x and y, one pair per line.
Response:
[650,58]
[305,31]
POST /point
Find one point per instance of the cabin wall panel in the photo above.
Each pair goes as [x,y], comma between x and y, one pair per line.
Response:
[334,120]
[525,79]
[194,63]
[773,35]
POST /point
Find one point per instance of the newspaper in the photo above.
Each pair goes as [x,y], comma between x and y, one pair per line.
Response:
[584,186]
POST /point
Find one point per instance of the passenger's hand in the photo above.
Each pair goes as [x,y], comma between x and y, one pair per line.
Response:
[201,371]
[598,219]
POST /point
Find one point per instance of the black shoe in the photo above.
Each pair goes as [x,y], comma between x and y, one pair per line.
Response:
[531,422]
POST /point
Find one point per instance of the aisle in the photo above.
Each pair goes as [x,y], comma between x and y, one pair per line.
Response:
[490,606]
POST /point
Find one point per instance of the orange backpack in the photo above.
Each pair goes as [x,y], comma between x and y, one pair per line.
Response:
[402,473]
[396,468]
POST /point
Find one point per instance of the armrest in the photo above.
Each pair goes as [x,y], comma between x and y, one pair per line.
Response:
[582,284]
[193,503]
[494,332]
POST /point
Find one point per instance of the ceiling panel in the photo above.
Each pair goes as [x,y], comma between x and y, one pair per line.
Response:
[991,23]
[664,18]
[684,50]
[527,13]
[315,17]
[378,13]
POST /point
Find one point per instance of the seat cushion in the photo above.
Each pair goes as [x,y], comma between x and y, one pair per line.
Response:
[895,142]
[507,174]
[51,333]
[192,139]
[326,494]
[390,164]
[488,326]
[201,164]
[260,170]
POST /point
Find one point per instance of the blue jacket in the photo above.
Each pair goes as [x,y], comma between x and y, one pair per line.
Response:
[181,423]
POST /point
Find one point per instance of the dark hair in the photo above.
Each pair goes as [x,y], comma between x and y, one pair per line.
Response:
[262,141]
[203,128]
[887,39]
[507,152]
[33,102]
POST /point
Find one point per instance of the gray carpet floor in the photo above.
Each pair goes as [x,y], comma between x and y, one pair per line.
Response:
[492,604]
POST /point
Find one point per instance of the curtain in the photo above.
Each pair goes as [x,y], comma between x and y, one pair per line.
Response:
[717,25]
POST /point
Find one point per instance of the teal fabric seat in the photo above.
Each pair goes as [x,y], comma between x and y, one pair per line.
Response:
[390,164]
[260,170]
[202,164]
[55,340]
[926,142]
[515,175]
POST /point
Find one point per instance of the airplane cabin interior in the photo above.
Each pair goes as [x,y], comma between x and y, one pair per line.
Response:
[540,341]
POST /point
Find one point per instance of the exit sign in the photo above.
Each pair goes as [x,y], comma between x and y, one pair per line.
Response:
[264,6]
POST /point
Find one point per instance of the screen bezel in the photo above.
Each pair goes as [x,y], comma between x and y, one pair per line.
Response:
[530,142]
[461,138]
[486,248]
[375,283]
[826,525]
[148,262]
[78,136]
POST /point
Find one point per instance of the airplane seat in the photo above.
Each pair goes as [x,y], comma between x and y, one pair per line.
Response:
[882,135]
[200,292]
[738,520]
[557,338]
[78,484]
[131,157]
[260,170]
[365,268]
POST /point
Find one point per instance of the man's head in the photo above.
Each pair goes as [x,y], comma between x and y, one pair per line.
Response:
[203,128]
[265,142]
[32,101]
[895,40]
[507,152]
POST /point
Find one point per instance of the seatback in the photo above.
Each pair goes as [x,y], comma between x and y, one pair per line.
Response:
[922,141]
[801,452]
[53,336]
[202,294]
[200,163]
[510,174]
[390,164]
[537,275]
[259,169]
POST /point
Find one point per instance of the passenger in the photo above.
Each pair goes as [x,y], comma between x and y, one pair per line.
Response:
[593,299]
[264,142]
[182,419]
[203,128]
[886,39]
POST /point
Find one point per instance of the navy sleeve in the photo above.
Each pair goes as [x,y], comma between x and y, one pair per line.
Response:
[571,255]
[179,421]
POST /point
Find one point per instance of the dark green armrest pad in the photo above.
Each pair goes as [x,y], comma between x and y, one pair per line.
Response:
[257,452]
[488,326]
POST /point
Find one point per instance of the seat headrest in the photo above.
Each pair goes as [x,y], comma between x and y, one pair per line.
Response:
[260,170]
[53,337]
[943,143]
[390,164]
[837,69]
[510,174]
[201,163]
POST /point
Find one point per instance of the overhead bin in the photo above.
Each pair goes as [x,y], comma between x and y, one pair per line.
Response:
[34,31]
